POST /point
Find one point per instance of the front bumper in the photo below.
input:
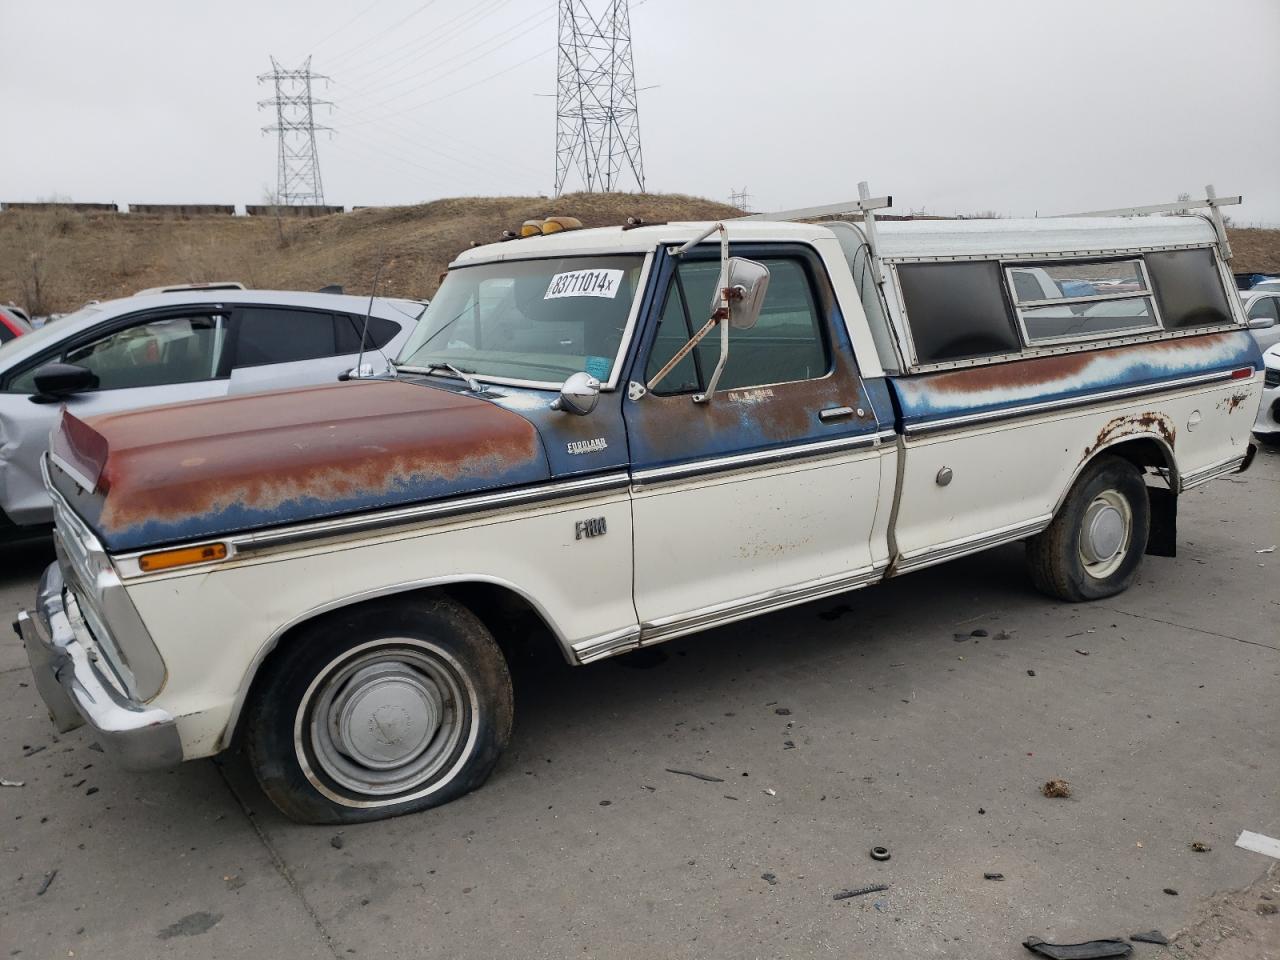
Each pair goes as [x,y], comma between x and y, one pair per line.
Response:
[76,691]
[1268,412]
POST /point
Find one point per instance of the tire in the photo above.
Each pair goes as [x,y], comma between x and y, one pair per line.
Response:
[1065,561]
[382,709]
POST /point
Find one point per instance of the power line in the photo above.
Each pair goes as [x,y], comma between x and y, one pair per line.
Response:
[329,36]
[463,89]
[597,115]
[387,63]
[740,199]
[298,175]
[437,64]
[341,57]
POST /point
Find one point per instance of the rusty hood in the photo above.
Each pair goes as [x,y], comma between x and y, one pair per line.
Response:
[210,468]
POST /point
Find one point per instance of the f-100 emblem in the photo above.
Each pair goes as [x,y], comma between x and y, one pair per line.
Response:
[595,527]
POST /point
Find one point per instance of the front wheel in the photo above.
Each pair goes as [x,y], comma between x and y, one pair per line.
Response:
[1094,545]
[387,708]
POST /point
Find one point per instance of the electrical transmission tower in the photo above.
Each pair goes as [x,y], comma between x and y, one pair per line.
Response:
[298,180]
[740,199]
[597,119]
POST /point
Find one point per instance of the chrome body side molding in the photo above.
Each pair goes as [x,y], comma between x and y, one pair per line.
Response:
[959,548]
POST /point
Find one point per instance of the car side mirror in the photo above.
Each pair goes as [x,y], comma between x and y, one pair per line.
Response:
[362,372]
[579,395]
[745,282]
[1261,323]
[58,381]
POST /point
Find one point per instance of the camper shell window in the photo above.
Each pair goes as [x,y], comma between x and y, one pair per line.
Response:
[957,311]
[1082,299]
[1188,288]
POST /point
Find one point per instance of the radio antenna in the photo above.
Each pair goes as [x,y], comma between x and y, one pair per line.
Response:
[373,290]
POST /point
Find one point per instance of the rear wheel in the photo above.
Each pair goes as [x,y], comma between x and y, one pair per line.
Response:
[387,708]
[1094,546]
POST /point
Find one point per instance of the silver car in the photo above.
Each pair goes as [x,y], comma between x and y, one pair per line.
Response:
[1262,307]
[153,349]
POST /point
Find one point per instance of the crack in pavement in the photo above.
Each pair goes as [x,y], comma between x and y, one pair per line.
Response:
[277,861]
[1183,626]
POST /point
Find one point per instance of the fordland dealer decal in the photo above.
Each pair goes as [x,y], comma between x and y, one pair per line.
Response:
[598,445]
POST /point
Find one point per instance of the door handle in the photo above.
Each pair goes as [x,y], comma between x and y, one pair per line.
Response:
[835,413]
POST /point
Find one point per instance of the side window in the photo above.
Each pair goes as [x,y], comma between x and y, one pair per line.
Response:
[1082,299]
[151,354]
[957,311]
[1188,288]
[786,345]
[6,334]
[1264,308]
[349,327]
[280,335]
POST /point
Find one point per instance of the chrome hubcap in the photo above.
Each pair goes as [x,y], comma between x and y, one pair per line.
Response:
[385,718]
[1105,533]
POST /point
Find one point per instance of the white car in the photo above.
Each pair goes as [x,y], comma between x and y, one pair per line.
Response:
[1262,307]
[1267,426]
[168,347]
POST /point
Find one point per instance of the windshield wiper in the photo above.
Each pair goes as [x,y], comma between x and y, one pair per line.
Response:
[472,383]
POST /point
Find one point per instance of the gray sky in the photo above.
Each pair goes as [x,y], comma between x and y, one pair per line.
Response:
[1016,106]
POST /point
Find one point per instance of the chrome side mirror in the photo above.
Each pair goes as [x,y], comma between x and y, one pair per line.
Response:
[1261,323]
[746,282]
[579,395]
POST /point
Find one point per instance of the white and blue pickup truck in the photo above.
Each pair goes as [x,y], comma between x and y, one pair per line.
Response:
[626,434]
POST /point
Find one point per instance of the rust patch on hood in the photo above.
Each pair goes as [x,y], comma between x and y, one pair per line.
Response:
[287,456]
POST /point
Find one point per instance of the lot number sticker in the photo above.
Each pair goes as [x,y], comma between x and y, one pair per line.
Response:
[584,283]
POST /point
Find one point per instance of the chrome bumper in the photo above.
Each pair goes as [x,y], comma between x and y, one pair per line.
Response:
[76,692]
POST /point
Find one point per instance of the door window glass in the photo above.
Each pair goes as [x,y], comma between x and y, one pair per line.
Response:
[272,335]
[1264,308]
[151,354]
[784,346]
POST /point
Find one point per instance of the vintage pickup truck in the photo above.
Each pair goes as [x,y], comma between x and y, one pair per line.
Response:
[330,576]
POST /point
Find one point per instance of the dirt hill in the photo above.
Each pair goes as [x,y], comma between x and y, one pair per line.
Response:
[57,260]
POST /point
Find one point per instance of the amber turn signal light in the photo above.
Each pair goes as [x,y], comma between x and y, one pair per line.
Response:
[182,557]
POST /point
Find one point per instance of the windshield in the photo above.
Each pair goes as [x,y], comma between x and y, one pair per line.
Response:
[533,320]
[51,332]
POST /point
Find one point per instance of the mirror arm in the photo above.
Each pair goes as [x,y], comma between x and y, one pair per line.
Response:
[715,376]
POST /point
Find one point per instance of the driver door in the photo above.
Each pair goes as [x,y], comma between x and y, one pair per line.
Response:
[766,495]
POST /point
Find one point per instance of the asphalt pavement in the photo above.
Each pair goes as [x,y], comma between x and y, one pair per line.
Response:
[834,727]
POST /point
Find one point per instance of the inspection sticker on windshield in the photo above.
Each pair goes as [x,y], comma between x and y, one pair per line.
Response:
[584,283]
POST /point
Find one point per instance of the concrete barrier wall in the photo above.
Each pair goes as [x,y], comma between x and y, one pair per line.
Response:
[309,210]
[80,207]
[184,209]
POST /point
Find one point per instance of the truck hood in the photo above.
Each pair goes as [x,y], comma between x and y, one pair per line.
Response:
[214,467]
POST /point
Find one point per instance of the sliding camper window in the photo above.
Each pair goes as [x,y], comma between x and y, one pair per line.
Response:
[1081,299]
[1189,288]
[957,311]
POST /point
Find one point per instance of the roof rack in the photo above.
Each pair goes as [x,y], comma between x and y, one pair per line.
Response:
[865,204]
[1211,201]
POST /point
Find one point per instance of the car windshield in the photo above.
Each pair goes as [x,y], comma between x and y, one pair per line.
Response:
[528,320]
[51,332]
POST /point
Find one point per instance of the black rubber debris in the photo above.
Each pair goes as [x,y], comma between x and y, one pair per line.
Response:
[336,841]
[993,876]
[1170,891]
[697,776]
[1078,951]
[979,633]
[880,853]
[1151,936]
[860,891]
[45,884]
[769,878]
[782,711]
